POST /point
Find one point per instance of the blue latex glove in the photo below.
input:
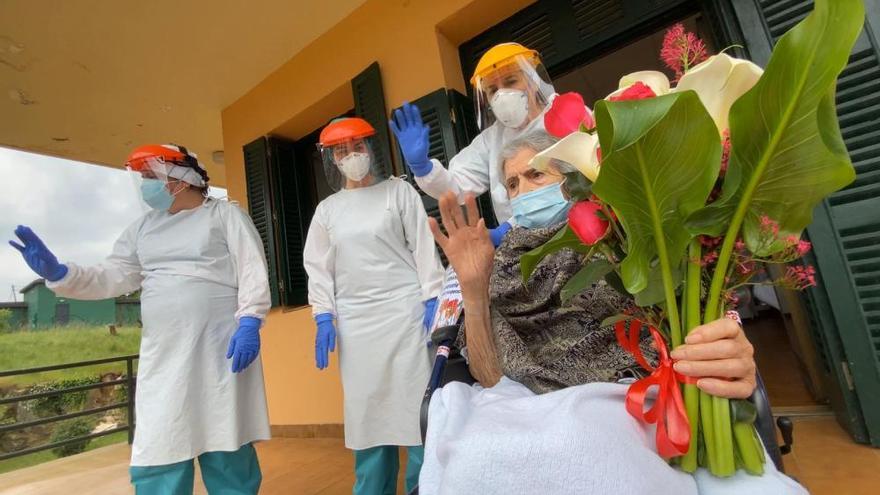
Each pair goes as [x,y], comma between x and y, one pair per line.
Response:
[37,255]
[412,134]
[497,234]
[244,346]
[430,309]
[325,340]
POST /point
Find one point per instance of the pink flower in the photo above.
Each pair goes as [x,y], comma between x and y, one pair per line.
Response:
[681,50]
[739,245]
[732,298]
[745,268]
[586,223]
[769,226]
[709,242]
[568,114]
[803,247]
[799,277]
[638,91]
[709,258]
[725,151]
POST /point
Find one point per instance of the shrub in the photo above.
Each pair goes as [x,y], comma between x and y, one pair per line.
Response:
[61,403]
[5,320]
[68,430]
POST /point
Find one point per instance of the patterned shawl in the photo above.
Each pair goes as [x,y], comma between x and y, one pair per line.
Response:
[542,343]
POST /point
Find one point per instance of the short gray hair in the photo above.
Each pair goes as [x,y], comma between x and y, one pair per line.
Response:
[536,141]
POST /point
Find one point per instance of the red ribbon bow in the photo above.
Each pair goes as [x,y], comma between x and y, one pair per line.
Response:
[668,411]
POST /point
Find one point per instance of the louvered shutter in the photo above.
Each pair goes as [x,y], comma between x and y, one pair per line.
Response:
[295,208]
[846,228]
[369,103]
[260,205]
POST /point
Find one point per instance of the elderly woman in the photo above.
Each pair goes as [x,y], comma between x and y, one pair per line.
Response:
[548,415]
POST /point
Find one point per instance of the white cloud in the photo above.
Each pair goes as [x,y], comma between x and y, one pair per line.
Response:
[78,210]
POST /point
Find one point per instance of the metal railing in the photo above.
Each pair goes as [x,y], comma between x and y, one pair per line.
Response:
[129,381]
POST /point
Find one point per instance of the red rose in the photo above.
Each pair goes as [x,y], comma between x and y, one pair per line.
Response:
[586,223]
[638,91]
[567,114]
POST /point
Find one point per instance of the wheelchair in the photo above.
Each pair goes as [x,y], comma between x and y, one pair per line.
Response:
[450,366]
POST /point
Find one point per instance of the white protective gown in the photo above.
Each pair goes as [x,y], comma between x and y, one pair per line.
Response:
[200,270]
[477,167]
[372,263]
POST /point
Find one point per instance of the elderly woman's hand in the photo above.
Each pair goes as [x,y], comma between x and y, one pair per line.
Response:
[466,243]
[720,356]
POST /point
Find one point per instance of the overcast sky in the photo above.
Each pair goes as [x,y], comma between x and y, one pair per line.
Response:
[78,210]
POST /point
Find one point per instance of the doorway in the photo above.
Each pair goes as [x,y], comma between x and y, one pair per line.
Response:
[62,314]
[598,78]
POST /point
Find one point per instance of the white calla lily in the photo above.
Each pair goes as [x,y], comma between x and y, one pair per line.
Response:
[657,81]
[577,149]
[719,82]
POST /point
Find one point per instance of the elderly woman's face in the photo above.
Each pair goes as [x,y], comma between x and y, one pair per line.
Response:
[520,178]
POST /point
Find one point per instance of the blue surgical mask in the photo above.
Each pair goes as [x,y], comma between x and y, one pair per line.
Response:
[155,194]
[540,208]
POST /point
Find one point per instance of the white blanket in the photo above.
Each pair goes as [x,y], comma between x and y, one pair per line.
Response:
[507,440]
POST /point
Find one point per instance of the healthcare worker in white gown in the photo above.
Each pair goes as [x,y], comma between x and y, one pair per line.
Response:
[374,269]
[205,294]
[512,92]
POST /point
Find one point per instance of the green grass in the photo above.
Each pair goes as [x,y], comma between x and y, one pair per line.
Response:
[32,348]
[47,455]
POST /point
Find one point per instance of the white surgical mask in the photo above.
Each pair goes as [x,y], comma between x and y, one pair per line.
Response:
[540,208]
[355,166]
[510,107]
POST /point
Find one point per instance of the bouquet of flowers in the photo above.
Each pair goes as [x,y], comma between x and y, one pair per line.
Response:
[684,194]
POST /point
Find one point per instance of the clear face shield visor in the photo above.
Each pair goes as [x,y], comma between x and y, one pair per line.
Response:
[152,174]
[348,162]
[155,167]
[513,92]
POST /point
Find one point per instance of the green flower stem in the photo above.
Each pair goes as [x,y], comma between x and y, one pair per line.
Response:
[750,452]
[708,428]
[692,320]
[726,465]
[662,253]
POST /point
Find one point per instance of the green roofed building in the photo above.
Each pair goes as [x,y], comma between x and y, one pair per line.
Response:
[45,309]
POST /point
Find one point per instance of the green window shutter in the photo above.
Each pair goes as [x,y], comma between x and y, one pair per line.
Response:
[369,104]
[295,208]
[451,129]
[434,108]
[846,228]
[464,126]
[260,205]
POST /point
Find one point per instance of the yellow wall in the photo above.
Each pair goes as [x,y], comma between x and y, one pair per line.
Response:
[416,44]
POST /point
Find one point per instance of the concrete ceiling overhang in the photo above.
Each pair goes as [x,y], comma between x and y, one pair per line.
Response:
[88,80]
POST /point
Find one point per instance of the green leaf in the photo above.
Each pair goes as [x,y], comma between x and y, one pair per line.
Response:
[565,238]
[592,272]
[743,411]
[613,279]
[787,152]
[661,157]
[654,291]
[578,187]
[612,320]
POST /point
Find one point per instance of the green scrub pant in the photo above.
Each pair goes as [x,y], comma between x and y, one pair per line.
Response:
[376,469]
[224,473]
